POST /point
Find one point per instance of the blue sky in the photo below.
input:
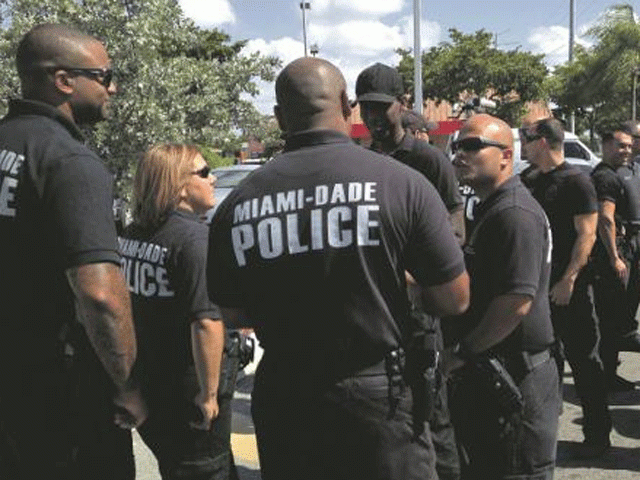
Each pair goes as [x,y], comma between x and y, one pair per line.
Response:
[356,33]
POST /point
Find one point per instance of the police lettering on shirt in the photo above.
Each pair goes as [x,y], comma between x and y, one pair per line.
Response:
[336,216]
[143,267]
[10,163]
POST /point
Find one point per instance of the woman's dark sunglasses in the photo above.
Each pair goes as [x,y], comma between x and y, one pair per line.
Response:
[104,76]
[204,172]
[474,144]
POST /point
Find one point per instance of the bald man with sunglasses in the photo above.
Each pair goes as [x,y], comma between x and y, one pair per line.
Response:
[508,324]
[67,342]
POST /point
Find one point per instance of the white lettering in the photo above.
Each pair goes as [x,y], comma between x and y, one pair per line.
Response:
[365,225]
[355,192]
[270,238]
[285,202]
[370,192]
[338,195]
[322,194]
[338,238]
[242,212]
[7,197]
[242,239]
[317,242]
[293,235]
[267,206]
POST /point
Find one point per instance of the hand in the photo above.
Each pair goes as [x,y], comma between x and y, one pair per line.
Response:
[621,270]
[561,292]
[208,406]
[131,409]
[450,361]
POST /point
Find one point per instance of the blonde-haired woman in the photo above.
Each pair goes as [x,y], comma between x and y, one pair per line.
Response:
[180,332]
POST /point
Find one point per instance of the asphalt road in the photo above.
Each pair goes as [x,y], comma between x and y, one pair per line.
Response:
[622,462]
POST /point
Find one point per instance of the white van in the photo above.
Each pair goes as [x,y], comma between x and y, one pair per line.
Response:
[575,153]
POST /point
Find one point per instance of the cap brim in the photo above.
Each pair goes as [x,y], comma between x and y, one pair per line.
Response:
[376,97]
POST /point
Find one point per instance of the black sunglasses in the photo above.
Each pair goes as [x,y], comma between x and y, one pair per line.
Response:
[526,136]
[103,76]
[474,144]
[204,172]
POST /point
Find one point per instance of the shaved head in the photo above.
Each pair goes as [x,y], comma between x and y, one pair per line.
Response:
[484,158]
[49,45]
[311,93]
[489,127]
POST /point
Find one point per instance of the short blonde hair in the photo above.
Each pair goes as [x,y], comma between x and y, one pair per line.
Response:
[162,173]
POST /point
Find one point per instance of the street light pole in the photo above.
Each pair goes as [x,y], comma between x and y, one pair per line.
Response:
[636,71]
[417,58]
[304,6]
[572,34]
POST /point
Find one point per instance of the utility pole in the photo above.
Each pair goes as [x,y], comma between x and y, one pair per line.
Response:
[417,58]
[572,33]
[304,6]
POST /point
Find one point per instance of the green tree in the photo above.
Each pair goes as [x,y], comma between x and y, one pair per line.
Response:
[598,84]
[176,82]
[470,65]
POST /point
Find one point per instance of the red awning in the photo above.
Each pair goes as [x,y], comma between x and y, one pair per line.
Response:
[447,127]
[359,130]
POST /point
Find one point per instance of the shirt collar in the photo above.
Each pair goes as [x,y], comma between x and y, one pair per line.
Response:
[19,107]
[406,145]
[310,138]
[512,183]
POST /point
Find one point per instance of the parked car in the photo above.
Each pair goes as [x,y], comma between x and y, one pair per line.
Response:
[227,179]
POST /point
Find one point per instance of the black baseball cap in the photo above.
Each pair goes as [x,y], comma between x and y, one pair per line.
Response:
[379,83]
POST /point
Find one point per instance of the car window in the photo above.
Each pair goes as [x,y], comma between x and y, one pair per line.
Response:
[230,178]
[575,150]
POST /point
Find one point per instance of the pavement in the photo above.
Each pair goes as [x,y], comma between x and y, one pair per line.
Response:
[621,462]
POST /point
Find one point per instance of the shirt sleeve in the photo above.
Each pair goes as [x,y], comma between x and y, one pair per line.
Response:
[191,274]
[223,281]
[79,198]
[584,198]
[607,186]
[432,256]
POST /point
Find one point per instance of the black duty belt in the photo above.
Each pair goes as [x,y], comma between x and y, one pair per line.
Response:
[532,360]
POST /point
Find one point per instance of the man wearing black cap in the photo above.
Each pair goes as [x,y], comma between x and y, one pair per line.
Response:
[379,88]
[417,125]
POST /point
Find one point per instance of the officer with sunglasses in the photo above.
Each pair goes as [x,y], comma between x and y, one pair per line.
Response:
[67,338]
[569,199]
[505,423]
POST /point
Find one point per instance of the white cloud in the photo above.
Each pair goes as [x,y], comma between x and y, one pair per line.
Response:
[210,13]
[368,8]
[360,37]
[553,42]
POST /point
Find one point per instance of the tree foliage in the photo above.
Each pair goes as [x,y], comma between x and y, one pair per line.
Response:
[176,82]
[470,65]
[598,84]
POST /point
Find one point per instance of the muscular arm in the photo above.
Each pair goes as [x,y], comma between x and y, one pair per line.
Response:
[207,340]
[586,228]
[450,298]
[607,233]
[457,222]
[501,318]
[105,311]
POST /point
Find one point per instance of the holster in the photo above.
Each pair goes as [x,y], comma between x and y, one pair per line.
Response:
[422,374]
[499,381]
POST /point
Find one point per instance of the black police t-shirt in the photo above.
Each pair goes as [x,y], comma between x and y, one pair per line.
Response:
[509,252]
[55,213]
[166,276]
[563,192]
[434,165]
[621,186]
[315,243]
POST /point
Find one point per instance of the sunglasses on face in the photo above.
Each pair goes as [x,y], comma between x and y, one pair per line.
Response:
[104,76]
[204,172]
[526,136]
[474,144]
